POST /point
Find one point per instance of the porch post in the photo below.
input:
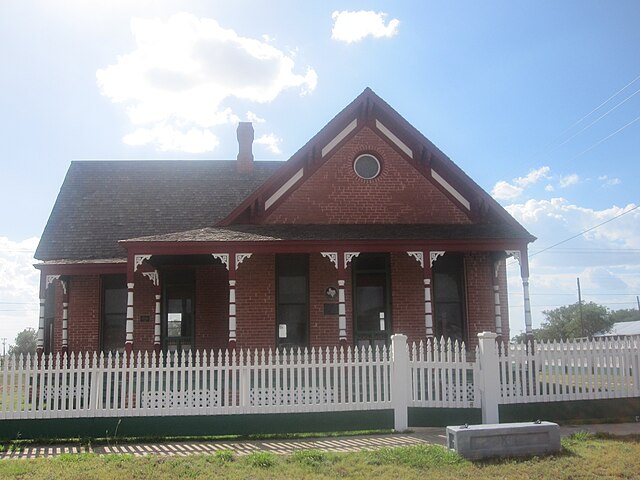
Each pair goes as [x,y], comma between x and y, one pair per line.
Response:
[426,273]
[238,258]
[128,342]
[156,327]
[496,296]
[231,262]
[523,260]
[343,263]
[154,276]
[336,259]
[65,317]
[524,272]
[40,338]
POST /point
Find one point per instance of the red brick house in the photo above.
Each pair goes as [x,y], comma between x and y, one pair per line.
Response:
[368,230]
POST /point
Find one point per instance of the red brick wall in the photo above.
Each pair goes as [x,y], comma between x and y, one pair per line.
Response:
[407,293]
[84,313]
[144,305]
[480,301]
[256,302]
[335,194]
[212,307]
[323,329]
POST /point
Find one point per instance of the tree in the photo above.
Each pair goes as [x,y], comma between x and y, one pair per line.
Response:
[625,315]
[25,342]
[564,322]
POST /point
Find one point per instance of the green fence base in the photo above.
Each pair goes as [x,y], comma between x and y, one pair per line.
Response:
[442,417]
[195,425]
[578,411]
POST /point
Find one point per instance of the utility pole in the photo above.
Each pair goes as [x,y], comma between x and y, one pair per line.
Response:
[580,306]
[638,300]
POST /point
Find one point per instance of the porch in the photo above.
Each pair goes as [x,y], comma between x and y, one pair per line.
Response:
[287,292]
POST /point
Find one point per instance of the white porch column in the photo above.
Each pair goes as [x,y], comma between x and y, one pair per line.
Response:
[527,306]
[523,260]
[232,313]
[65,317]
[426,273]
[40,339]
[156,326]
[342,313]
[154,277]
[128,342]
[497,265]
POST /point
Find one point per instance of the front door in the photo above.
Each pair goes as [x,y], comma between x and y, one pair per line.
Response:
[179,311]
[371,299]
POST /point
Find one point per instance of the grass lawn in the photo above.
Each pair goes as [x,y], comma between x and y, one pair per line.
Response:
[583,456]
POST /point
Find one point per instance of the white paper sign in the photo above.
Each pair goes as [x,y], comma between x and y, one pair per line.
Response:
[282,330]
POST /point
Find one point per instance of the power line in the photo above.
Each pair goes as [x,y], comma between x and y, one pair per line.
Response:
[584,117]
[597,119]
[605,138]
[584,231]
[601,105]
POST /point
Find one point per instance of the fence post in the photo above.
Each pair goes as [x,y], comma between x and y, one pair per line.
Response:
[489,376]
[400,381]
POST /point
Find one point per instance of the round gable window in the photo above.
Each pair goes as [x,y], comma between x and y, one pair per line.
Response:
[367,166]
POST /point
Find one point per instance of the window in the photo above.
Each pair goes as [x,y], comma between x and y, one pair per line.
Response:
[449,293]
[114,312]
[292,292]
[179,317]
[49,317]
[367,166]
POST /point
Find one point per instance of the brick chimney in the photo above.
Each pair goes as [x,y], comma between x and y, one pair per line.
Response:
[245,143]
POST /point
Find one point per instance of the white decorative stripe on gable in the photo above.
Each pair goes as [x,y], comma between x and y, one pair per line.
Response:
[447,186]
[283,189]
[389,134]
[330,146]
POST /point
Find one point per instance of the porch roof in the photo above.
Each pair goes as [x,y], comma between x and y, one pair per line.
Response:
[344,232]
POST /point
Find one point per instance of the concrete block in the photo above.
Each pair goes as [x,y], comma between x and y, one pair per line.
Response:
[504,439]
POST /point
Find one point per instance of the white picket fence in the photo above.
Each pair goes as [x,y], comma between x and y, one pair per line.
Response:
[202,383]
[431,374]
[441,376]
[577,370]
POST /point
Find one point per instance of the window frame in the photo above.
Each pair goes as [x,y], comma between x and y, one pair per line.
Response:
[459,270]
[280,259]
[105,280]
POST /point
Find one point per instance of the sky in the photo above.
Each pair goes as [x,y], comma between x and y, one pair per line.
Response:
[538,101]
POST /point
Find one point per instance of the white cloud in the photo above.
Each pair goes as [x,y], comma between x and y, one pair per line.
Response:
[504,190]
[609,182]
[252,117]
[549,188]
[181,72]
[19,283]
[533,176]
[168,138]
[271,142]
[352,27]
[569,180]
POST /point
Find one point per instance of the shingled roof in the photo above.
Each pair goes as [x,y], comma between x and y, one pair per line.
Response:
[102,202]
[261,233]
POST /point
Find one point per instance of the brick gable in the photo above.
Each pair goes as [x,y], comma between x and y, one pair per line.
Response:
[334,194]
